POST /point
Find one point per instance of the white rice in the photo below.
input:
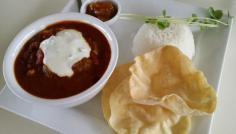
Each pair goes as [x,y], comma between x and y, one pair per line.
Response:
[150,36]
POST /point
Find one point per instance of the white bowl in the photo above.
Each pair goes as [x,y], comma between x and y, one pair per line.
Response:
[32,29]
[112,20]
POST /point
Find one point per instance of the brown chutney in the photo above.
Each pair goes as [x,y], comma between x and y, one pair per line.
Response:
[35,78]
[103,10]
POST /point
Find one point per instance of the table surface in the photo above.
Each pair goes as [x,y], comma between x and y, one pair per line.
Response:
[15,14]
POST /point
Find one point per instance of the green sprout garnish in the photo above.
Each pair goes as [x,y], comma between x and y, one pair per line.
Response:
[212,20]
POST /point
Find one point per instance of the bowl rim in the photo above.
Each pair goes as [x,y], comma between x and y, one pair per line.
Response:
[113,19]
[25,34]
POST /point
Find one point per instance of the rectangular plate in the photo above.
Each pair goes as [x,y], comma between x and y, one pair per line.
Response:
[88,118]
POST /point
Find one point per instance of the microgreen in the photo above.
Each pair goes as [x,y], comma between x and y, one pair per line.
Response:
[161,23]
[164,21]
[215,14]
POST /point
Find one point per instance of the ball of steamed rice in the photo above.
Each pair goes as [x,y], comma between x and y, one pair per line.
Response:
[150,37]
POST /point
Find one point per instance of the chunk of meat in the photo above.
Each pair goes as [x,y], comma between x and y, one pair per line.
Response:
[39,57]
[47,72]
[94,58]
[94,45]
[83,65]
[30,72]
[46,34]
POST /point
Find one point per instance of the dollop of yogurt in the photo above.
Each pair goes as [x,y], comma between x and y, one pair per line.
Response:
[63,50]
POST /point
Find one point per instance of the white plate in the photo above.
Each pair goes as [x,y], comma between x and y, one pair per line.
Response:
[88,118]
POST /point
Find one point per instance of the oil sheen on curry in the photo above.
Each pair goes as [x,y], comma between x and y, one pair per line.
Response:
[62,60]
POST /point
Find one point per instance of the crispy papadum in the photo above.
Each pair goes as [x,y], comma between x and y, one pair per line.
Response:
[127,117]
[121,72]
[166,77]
